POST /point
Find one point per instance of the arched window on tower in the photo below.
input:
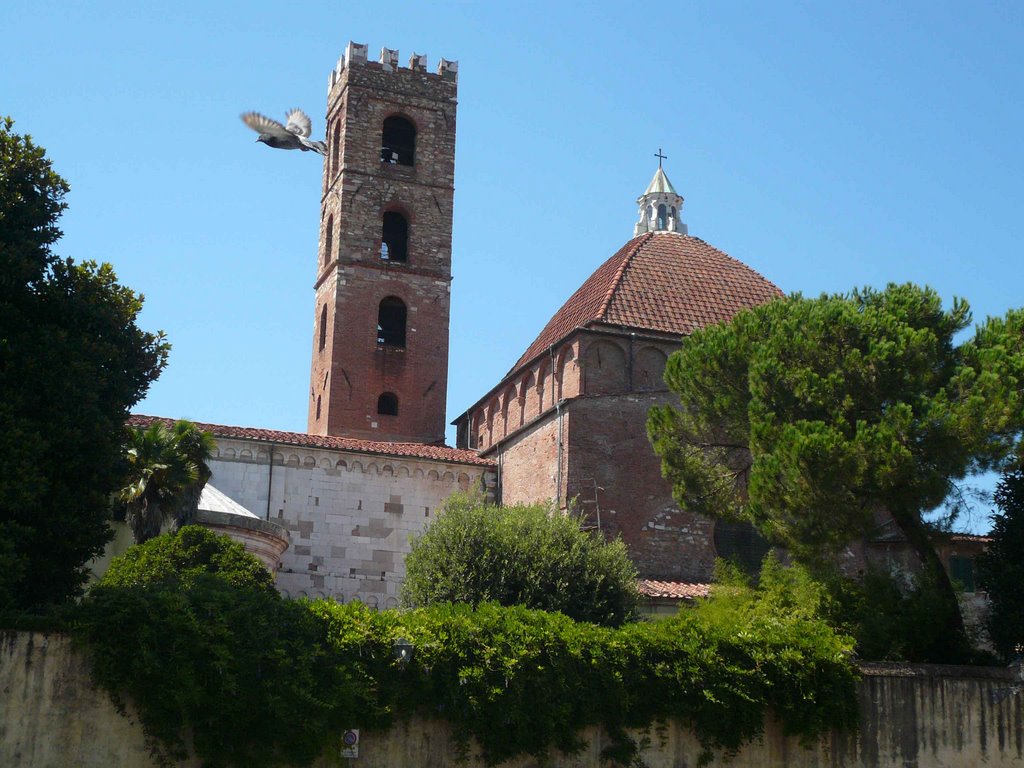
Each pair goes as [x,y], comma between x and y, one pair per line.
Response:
[323,328]
[335,140]
[662,217]
[395,237]
[329,240]
[391,322]
[398,141]
[387,404]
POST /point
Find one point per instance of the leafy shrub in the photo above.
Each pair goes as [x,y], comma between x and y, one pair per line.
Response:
[183,556]
[895,618]
[533,556]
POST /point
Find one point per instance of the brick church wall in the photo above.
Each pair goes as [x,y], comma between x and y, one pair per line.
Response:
[529,462]
[608,448]
[605,382]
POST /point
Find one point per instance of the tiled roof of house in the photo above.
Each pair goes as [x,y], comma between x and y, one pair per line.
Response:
[660,281]
[403,450]
[678,590]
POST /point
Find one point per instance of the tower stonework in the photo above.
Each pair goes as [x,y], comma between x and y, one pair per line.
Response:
[380,340]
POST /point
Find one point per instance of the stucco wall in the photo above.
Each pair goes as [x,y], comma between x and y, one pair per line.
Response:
[911,717]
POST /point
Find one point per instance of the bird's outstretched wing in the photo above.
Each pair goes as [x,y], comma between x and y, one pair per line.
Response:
[264,125]
[298,123]
[316,146]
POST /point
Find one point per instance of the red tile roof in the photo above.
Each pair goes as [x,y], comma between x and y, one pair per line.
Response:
[679,590]
[403,450]
[659,281]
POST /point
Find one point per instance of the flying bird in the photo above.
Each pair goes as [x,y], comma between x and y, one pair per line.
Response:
[293,135]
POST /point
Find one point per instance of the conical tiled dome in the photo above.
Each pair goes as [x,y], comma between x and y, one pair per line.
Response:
[659,281]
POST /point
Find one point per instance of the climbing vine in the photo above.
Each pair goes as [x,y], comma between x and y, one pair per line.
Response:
[246,678]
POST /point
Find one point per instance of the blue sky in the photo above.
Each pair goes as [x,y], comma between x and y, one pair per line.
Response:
[827,145]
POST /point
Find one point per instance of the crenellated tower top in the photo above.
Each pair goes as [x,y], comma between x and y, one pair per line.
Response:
[356,55]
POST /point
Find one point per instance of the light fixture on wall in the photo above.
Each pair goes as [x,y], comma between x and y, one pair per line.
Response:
[402,651]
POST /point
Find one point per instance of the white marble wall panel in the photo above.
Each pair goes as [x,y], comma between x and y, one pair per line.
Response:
[351,516]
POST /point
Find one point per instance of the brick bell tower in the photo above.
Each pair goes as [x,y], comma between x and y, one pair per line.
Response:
[380,339]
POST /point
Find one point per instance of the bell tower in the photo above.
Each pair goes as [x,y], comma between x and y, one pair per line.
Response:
[383,278]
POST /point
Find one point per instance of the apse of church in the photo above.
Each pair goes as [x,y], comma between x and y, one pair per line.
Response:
[380,341]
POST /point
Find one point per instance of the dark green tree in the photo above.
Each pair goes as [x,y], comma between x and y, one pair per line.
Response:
[534,556]
[815,419]
[72,363]
[167,472]
[1001,568]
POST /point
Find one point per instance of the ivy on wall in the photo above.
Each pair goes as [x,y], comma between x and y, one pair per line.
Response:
[246,678]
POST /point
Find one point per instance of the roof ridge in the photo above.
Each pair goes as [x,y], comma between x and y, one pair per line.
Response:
[329,442]
[620,273]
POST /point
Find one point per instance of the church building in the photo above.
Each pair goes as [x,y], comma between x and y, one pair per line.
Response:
[567,423]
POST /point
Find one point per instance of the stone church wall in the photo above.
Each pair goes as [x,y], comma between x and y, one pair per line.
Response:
[350,515]
[911,717]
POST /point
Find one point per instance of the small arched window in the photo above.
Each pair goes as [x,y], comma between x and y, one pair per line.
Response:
[391,322]
[323,328]
[387,404]
[334,146]
[329,239]
[398,141]
[662,217]
[395,237]
[318,407]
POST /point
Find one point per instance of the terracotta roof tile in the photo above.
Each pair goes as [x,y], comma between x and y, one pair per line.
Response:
[659,281]
[680,590]
[403,450]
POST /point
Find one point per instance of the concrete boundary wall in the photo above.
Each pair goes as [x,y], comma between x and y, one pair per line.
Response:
[911,716]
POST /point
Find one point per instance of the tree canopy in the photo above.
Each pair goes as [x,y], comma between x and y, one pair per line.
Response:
[534,556]
[167,471]
[72,363]
[1001,566]
[818,419]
